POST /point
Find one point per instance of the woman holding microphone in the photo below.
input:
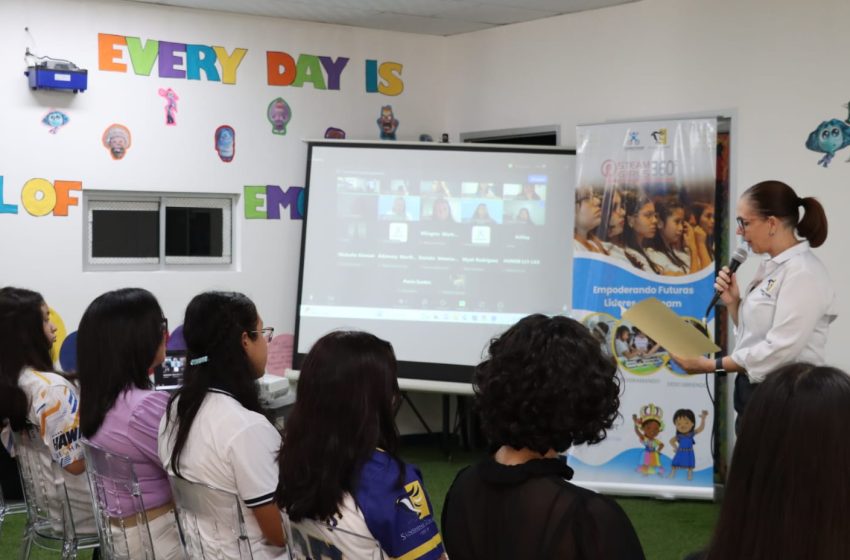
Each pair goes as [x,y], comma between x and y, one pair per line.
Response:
[783,315]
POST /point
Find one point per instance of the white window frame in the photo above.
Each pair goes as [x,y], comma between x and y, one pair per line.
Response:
[94,200]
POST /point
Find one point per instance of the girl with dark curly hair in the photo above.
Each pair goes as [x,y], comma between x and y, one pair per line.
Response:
[545,386]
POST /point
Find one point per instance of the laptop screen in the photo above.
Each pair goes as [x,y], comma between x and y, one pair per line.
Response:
[169,375]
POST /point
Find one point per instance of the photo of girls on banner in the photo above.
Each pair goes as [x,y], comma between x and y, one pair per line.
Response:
[644,225]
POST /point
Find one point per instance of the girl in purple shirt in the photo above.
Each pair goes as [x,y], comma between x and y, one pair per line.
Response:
[122,335]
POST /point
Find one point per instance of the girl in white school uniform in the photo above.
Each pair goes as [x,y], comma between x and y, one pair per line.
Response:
[214,431]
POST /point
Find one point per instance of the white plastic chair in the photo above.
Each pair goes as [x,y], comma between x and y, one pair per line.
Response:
[50,523]
[211,522]
[122,523]
[309,539]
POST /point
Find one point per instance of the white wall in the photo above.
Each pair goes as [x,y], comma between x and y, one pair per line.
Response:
[45,253]
[776,66]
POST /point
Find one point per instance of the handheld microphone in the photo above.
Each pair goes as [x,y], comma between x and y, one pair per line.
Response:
[738,257]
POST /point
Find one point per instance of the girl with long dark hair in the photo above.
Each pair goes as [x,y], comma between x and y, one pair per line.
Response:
[338,463]
[32,395]
[787,494]
[214,431]
[121,337]
[678,248]
[640,227]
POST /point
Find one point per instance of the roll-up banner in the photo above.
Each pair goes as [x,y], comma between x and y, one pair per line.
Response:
[644,221]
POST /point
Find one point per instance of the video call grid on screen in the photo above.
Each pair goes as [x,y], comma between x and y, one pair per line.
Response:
[435,248]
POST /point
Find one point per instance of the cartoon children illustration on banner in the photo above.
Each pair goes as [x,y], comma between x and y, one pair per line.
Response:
[647,427]
[683,441]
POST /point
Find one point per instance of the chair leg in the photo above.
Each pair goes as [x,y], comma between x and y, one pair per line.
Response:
[69,550]
[26,543]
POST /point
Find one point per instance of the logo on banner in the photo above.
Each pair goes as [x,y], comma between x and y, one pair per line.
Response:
[659,136]
[633,138]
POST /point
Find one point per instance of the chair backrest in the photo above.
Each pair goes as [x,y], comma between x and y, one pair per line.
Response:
[48,507]
[311,539]
[210,521]
[122,524]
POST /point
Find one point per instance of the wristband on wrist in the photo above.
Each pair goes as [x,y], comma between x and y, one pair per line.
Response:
[718,365]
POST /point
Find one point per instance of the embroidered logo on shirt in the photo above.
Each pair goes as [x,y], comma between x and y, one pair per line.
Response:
[415,500]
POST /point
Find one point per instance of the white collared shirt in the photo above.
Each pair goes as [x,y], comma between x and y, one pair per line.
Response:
[784,314]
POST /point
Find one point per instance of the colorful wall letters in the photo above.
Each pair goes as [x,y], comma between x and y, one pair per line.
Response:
[40,197]
[273,198]
[117,53]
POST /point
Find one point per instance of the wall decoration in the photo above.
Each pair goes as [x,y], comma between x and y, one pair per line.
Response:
[389,73]
[273,198]
[55,120]
[282,70]
[215,62]
[387,123]
[171,100]
[280,354]
[333,133]
[225,142]
[41,197]
[117,139]
[279,115]
[829,137]
[68,352]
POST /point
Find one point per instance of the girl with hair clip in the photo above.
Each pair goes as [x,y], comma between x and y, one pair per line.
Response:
[678,248]
[588,217]
[640,227]
[338,463]
[786,493]
[32,395]
[121,337]
[785,312]
[214,430]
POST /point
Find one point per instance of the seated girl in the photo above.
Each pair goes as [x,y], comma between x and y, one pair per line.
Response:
[121,337]
[545,386]
[32,395]
[338,463]
[214,431]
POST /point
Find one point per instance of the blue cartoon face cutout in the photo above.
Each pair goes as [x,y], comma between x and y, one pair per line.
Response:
[55,120]
[829,137]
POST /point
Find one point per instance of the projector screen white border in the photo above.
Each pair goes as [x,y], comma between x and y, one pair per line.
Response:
[424,371]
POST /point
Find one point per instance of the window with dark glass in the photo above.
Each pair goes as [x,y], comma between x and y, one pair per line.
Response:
[125,234]
[194,232]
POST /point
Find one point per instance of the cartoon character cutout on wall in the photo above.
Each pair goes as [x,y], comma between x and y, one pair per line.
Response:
[279,115]
[647,427]
[117,139]
[334,133]
[683,441]
[171,100]
[225,142]
[387,123]
[55,120]
[829,137]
